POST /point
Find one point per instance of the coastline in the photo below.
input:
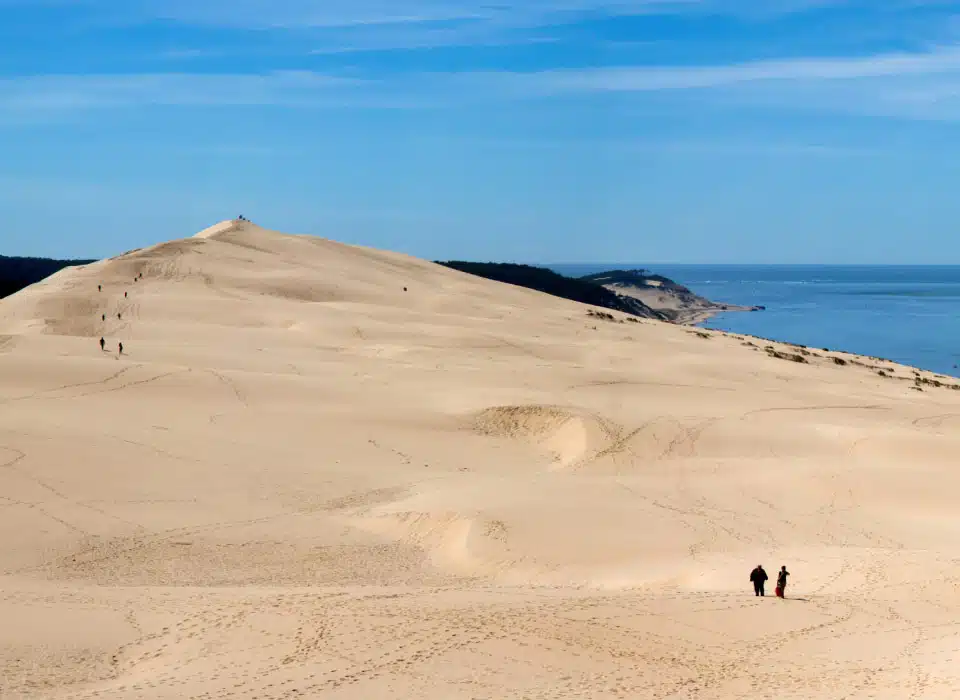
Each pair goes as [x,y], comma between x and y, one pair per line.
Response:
[905,313]
[694,317]
[680,306]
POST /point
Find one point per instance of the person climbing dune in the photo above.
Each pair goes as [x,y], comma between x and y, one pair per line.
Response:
[759,577]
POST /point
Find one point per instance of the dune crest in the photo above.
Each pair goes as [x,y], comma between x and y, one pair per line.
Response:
[325,470]
[220,227]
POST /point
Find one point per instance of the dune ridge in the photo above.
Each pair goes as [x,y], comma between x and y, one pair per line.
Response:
[324,470]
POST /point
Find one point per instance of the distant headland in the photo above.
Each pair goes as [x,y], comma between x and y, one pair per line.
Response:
[676,302]
[635,292]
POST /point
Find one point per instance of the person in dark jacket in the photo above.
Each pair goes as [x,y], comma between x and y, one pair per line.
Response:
[102,343]
[759,577]
[782,580]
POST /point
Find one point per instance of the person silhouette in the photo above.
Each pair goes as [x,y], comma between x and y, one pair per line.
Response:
[120,345]
[102,344]
[124,295]
[758,577]
[103,317]
[118,317]
[782,581]
[99,288]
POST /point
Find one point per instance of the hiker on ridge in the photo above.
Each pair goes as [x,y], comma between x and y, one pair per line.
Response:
[759,577]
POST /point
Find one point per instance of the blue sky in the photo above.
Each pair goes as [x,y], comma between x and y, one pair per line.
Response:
[698,131]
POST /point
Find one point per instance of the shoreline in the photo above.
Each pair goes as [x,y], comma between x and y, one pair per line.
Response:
[674,302]
[850,356]
[694,317]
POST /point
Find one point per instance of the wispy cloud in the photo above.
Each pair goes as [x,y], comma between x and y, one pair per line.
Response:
[921,86]
[392,38]
[940,61]
[752,146]
[340,26]
[68,92]
[188,54]
[263,14]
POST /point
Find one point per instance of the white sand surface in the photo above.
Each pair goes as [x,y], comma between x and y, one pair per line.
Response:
[302,481]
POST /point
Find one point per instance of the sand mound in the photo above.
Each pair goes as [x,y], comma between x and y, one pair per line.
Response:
[472,547]
[301,480]
[568,435]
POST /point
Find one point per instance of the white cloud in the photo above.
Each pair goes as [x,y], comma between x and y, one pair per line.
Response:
[918,86]
[66,92]
[263,14]
[941,61]
[403,24]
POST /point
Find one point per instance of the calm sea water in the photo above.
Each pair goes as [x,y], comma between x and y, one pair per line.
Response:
[909,314]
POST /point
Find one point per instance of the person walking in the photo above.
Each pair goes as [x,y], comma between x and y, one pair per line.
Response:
[782,581]
[120,345]
[759,577]
[102,344]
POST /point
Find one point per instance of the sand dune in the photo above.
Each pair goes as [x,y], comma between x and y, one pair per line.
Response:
[321,470]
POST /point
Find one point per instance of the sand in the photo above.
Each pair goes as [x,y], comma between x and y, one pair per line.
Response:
[301,481]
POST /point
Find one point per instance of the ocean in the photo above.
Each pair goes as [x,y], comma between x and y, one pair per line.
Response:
[905,313]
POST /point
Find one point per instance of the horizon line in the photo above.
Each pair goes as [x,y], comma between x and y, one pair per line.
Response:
[645,266]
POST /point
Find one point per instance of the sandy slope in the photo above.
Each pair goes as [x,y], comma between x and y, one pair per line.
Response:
[304,482]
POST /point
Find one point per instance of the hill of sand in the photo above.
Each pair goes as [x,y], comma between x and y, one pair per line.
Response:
[302,481]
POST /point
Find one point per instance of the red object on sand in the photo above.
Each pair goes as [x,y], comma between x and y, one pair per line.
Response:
[779,592]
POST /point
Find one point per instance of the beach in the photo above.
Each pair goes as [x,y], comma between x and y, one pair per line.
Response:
[322,470]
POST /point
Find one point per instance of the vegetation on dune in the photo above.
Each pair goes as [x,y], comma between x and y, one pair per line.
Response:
[639,278]
[550,282]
